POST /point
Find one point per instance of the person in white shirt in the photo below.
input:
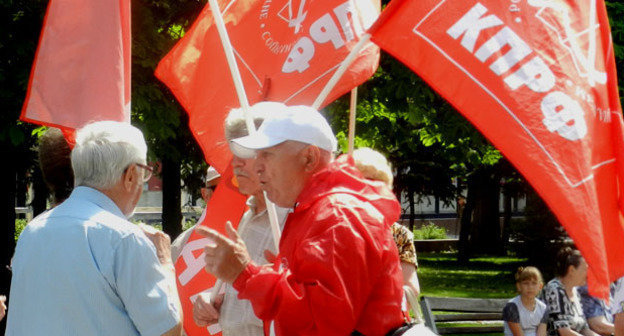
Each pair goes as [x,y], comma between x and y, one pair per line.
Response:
[82,268]
[236,317]
[524,315]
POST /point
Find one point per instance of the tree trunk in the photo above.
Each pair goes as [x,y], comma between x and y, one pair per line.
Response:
[21,189]
[465,228]
[171,201]
[486,228]
[412,208]
[506,220]
[7,223]
[40,189]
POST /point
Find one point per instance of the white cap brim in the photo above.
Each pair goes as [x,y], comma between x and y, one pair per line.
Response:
[247,146]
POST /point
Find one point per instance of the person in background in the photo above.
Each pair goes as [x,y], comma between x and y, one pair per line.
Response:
[236,316]
[82,268]
[596,312]
[53,153]
[338,270]
[3,307]
[617,307]
[55,164]
[375,166]
[525,315]
[212,180]
[565,315]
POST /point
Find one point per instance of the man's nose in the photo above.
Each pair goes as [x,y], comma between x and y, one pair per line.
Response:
[258,167]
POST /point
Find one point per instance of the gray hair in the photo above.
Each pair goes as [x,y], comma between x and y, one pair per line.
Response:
[235,125]
[104,150]
[373,165]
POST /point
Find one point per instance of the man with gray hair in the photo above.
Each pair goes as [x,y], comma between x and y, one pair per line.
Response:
[337,271]
[82,268]
[236,316]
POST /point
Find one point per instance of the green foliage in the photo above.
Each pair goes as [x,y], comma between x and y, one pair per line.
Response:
[20,23]
[20,224]
[430,231]
[156,26]
[189,223]
[429,144]
[615,10]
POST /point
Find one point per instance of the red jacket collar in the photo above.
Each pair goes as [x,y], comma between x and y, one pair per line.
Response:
[342,177]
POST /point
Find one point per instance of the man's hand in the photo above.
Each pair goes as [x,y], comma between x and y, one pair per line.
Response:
[161,241]
[2,306]
[225,258]
[206,312]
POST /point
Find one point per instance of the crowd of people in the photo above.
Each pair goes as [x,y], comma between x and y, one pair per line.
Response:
[342,266]
[562,307]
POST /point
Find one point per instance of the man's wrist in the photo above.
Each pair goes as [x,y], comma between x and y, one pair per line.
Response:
[168,267]
[241,280]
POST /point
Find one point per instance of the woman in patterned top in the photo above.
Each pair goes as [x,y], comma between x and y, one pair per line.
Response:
[565,316]
[374,166]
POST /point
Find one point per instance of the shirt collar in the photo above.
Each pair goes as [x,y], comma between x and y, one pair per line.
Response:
[252,204]
[98,198]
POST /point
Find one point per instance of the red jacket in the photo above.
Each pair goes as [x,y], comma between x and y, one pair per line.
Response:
[338,267]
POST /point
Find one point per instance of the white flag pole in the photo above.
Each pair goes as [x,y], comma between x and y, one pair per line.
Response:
[242,97]
[341,70]
[591,59]
[352,111]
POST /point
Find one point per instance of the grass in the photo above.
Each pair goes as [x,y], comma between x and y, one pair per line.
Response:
[483,277]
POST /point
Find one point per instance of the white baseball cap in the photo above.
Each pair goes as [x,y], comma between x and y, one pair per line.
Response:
[212,174]
[297,123]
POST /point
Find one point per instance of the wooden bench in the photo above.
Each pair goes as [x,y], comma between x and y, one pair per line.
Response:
[484,315]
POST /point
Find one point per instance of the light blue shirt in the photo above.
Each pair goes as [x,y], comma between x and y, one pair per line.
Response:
[83,269]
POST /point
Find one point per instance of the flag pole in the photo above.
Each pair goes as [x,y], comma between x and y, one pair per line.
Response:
[352,110]
[340,71]
[244,103]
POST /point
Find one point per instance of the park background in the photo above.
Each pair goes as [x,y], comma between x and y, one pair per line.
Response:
[446,172]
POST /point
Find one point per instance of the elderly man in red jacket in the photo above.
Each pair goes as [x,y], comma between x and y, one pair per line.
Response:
[337,271]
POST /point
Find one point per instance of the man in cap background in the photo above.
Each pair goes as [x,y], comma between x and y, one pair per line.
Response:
[337,271]
[212,180]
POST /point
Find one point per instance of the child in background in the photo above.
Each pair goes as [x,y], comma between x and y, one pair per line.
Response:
[525,315]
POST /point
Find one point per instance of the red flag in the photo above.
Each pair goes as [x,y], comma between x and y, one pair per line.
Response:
[538,79]
[81,71]
[286,51]
[227,204]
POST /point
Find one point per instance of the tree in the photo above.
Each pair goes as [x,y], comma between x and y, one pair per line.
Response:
[434,150]
[157,25]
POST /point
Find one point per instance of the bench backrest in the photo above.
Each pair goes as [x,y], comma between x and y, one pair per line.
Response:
[490,310]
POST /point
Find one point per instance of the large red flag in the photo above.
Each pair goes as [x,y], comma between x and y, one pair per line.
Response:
[286,51]
[538,78]
[81,71]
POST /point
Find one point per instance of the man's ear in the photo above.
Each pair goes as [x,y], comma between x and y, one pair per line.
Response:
[129,177]
[310,157]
